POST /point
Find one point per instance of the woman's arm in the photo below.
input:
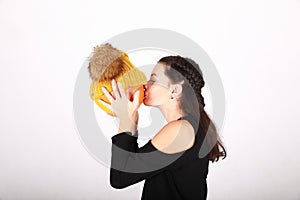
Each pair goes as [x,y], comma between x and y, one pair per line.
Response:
[131,164]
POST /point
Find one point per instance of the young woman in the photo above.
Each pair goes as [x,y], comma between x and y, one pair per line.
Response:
[174,163]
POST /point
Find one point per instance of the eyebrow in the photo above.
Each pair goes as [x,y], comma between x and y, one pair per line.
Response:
[153,74]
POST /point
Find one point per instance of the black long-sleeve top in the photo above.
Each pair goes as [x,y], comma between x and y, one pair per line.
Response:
[177,176]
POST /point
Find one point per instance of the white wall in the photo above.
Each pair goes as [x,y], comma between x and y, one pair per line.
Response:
[254,44]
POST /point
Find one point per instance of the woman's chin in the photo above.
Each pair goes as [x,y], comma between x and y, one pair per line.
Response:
[145,101]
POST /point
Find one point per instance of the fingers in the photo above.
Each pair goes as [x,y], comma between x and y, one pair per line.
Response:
[115,89]
[136,98]
[107,94]
[128,95]
[121,90]
[105,104]
[117,92]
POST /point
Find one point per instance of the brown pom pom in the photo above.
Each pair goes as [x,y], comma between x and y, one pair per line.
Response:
[105,63]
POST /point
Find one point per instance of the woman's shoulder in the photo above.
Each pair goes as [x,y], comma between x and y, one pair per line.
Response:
[176,136]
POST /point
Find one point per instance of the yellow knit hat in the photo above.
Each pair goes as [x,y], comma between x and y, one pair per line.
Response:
[109,63]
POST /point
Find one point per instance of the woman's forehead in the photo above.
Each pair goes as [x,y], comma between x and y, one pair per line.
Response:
[158,73]
[158,70]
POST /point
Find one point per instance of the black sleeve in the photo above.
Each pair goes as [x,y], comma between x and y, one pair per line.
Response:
[131,164]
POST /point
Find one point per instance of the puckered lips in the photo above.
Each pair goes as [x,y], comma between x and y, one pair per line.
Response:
[145,93]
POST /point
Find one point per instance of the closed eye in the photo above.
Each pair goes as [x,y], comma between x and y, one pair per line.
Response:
[150,81]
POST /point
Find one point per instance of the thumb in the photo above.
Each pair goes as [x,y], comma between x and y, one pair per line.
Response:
[136,98]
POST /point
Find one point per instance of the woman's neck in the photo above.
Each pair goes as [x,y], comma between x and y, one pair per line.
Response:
[171,111]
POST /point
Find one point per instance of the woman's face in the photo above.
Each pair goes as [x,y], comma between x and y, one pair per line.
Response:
[157,91]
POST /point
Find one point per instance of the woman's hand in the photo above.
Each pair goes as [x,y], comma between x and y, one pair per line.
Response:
[123,108]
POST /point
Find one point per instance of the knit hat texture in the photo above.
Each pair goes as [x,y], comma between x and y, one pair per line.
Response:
[107,63]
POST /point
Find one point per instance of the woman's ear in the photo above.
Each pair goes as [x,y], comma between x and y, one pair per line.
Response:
[176,89]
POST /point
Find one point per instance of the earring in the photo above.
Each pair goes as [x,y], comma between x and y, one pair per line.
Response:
[172,95]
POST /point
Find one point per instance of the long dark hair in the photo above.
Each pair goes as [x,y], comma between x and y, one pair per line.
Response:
[191,99]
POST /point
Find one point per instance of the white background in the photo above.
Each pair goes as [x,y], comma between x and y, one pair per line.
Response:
[254,44]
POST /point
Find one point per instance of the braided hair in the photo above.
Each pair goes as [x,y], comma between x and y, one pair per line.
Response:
[191,101]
